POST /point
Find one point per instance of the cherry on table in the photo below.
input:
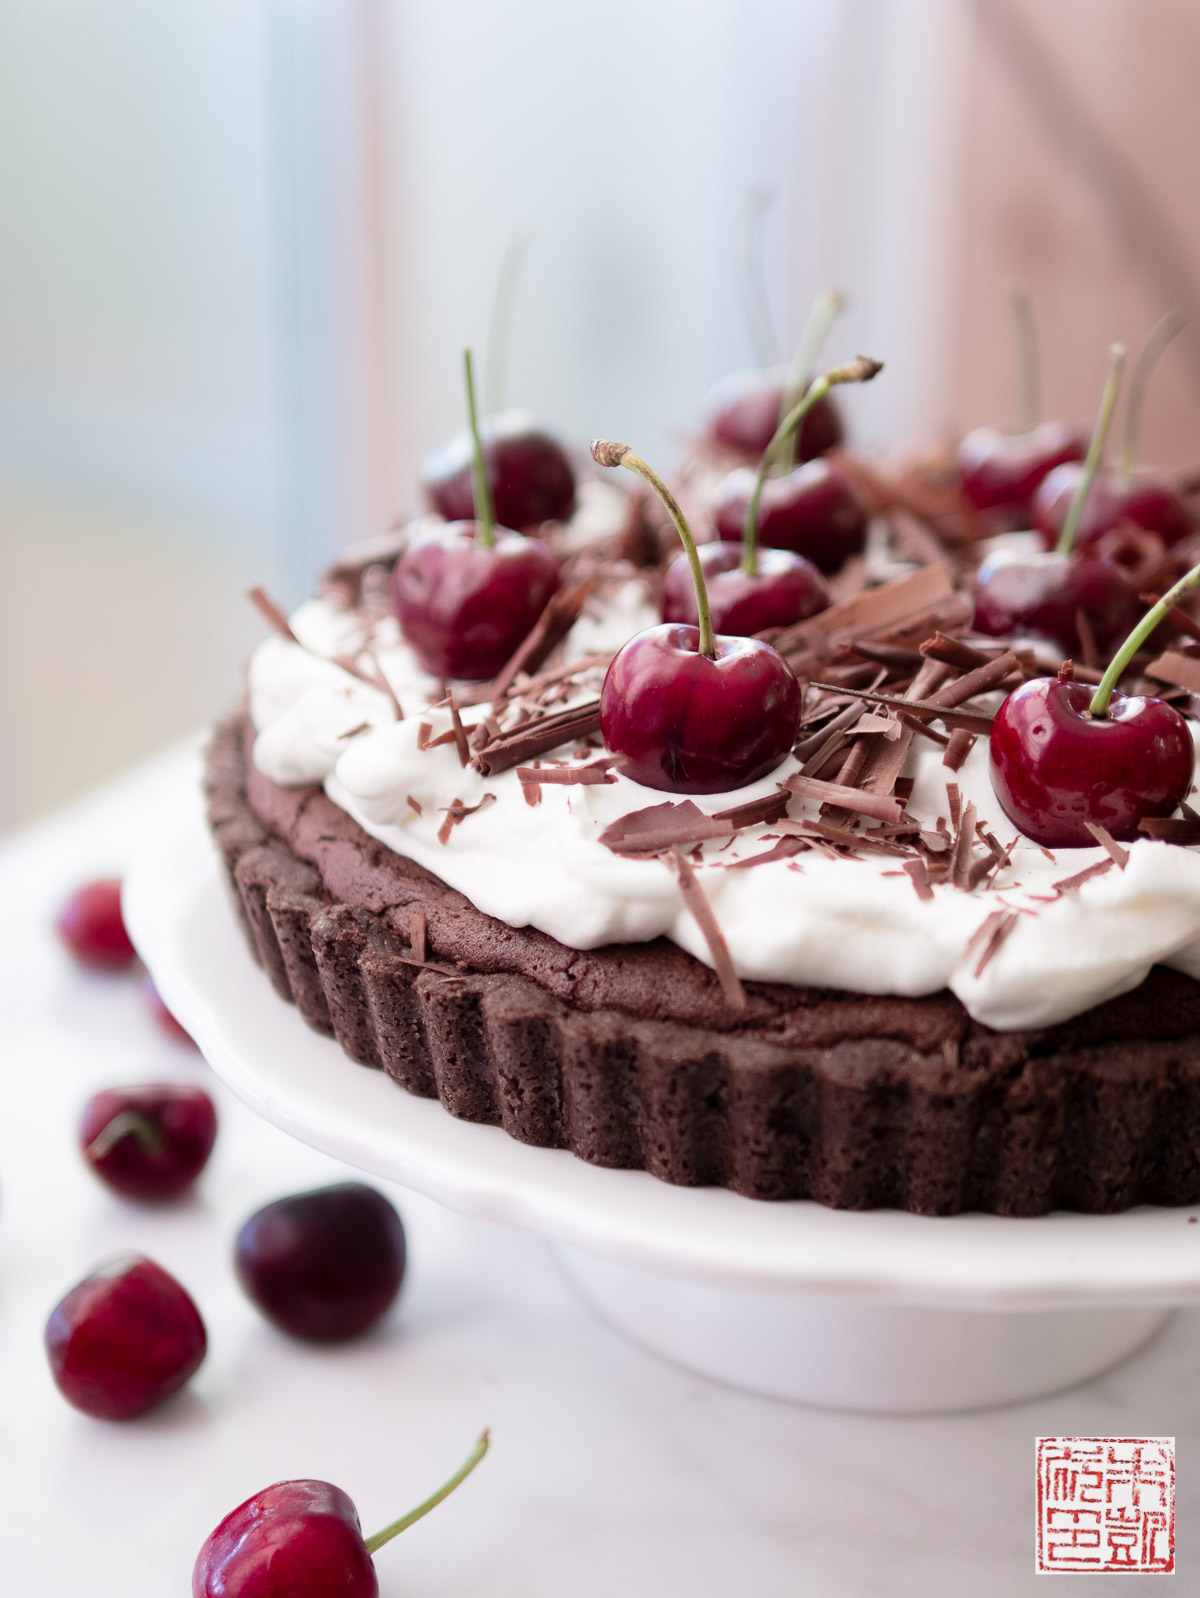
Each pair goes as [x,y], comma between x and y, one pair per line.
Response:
[744,411]
[528,471]
[303,1539]
[92,927]
[125,1339]
[323,1265]
[786,588]
[148,1142]
[813,511]
[1042,594]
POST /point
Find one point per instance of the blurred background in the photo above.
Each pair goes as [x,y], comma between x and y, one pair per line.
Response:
[243,241]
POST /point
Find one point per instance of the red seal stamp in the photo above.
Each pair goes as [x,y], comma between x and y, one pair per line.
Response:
[1105,1504]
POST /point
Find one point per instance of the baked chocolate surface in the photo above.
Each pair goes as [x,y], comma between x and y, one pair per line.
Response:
[630,1056]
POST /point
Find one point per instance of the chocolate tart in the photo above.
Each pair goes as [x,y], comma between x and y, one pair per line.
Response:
[631,1057]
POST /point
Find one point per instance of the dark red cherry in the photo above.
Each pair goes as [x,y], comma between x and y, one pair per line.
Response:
[463,606]
[1001,471]
[1150,504]
[148,1142]
[91,926]
[303,1539]
[788,588]
[123,1340]
[688,724]
[744,410]
[530,475]
[1055,767]
[323,1265]
[1041,594]
[813,511]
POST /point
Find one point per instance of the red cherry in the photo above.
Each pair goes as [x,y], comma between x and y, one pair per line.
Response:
[1041,594]
[812,511]
[148,1142]
[689,724]
[323,1265]
[531,478]
[1146,502]
[464,605]
[124,1340]
[1001,471]
[1055,767]
[161,1016]
[302,1539]
[90,925]
[786,589]
[744,410]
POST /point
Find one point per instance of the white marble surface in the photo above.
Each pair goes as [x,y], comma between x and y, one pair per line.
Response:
[610,1471]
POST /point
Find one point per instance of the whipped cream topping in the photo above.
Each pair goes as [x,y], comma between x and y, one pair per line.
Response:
[815,919]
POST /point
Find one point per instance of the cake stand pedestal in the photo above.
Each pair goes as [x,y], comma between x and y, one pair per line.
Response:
[878,1310]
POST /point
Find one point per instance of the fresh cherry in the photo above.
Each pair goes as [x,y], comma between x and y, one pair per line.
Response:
[528,472]
[161,1016]
[148,1142]
[1147,503]
[302,1539]
[323,1265]
[91,926]
[743,413]
[465,597]
[1043,594]
[1002,471]
[786,588]
[813,511]
[124,1340]
[1056,766]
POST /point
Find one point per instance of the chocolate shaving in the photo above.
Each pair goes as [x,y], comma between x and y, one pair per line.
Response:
[925,731]
[423,731]
[994,928]
[701,912]
[978,681]
[354,732]
[560,614]
[662,827]
[272,615]
[971,720]
[954,800]
[532,777]
[953,652]
[459,732]
[772,807]
[534,738]
[457,811]
[413,804]
[961,863]
[1081,877]
[1108,843]
[878,806]
[958,747]
[1180,670]
[783,850]
[1171,829]
[919,873]
[417,922]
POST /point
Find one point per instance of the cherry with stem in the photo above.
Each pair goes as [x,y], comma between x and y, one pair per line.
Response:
[826,309]
[1091,461]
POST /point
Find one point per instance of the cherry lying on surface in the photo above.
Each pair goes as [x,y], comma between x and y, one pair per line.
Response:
[148,1142]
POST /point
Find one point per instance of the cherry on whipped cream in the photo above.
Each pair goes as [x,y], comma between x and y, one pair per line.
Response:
[303,1539]
[91,926]
[124,1339]
[149,1142]
[466,593]
[744,413]
[784,588]
[529,474]
[812,511]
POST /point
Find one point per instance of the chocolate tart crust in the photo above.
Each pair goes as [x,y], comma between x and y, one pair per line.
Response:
[630,1057]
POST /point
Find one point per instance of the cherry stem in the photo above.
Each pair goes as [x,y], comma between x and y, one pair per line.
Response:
[374,1544]
[1091,465]
[753,280]
[127,1123]
[826,309]
[485,516]
[1029,384]
[606,453]
[500,323]
[1159,336]
[1098,705]
[860,370]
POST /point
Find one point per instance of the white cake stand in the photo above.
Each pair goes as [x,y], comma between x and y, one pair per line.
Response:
[878,1310]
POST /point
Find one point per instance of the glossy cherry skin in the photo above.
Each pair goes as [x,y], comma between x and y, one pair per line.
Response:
[1054,767]
[1040,595]
[124,1340]
[812,511]
[1146,502]
[297,1539]
[161,1155]
[528,471]
[743,413]
[1001,471]
[687,724]
[787,588]
[323,1265]
[91,926]
[464,608]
